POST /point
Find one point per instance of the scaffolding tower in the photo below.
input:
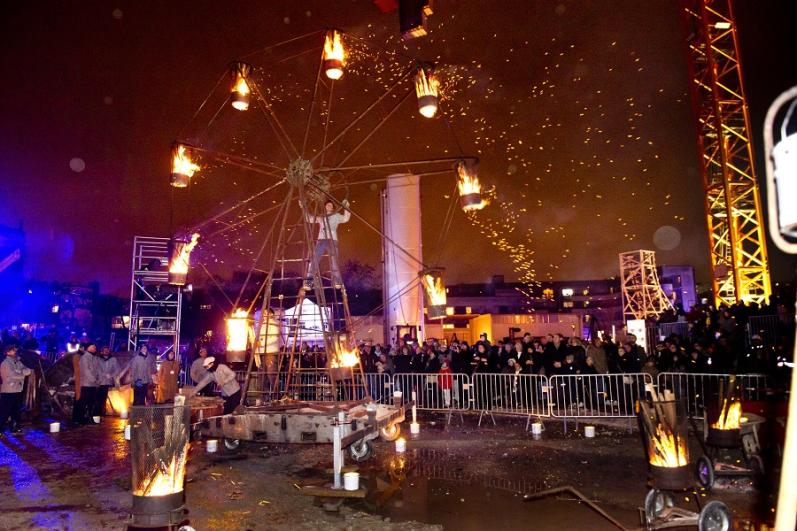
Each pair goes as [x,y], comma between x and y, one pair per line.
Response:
[639,282]
[155,305]
[740,270]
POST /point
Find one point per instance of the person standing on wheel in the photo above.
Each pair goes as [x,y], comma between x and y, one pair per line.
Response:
[224,378]
[327,241]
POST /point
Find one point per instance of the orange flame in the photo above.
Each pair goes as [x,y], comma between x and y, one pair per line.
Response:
[667,451]
[427,84]
[238,331]
[181,262]
[345,357]
[240,86]
[334,55]
[121,398]
[730,418]
[165,481]
[435,289]
[182,163]
[468,184]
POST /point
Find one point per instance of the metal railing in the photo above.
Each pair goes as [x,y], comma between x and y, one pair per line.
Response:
[558,396]
[511,394]
[773,329]
[696,388]
[435,391]
[597,395]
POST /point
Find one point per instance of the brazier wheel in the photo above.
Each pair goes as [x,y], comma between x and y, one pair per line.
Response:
[390,433]
[360,451]
[705,472]
[715,516]
[655,502]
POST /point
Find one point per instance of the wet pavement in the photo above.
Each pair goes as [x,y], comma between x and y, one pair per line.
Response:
[460,476]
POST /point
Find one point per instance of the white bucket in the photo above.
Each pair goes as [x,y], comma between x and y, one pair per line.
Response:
[351,481]
[589,432]
[415,428]
[127,432]
[212,446]
[536,428]
[55,427]
[401,445]
[397,396]
[96,420]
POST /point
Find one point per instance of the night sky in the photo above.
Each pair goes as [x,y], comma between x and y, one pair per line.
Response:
[579,112]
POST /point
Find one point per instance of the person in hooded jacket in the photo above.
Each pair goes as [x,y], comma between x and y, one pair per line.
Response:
[224,378]
[12,374]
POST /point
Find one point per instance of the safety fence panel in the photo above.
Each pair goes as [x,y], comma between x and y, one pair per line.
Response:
[317,385]
[434,391]
[772,329]
[680,328]
[597,395]
[697,388]
[511,394]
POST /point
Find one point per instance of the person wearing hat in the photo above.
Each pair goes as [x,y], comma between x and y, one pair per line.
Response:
[224,378]
[12,374]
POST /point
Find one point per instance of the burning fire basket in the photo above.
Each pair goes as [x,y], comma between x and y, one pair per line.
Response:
[726,430]
[159,438]
[664,433]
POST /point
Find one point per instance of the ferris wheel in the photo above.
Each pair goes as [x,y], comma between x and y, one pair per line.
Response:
[285,134]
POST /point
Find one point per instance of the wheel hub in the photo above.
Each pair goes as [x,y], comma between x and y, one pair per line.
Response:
[300,174]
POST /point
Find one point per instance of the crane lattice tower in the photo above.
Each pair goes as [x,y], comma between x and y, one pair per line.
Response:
[740,270]
[639,282]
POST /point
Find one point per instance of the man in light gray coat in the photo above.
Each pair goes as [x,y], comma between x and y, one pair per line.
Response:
[142,369]
[224,378]
[108,369]
[89,383]
[198,371]
[12,373]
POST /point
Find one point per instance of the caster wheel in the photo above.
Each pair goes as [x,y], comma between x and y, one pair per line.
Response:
[655,503]
[390,433]
[715,516]
[232,445]
[360,451]
[705,472]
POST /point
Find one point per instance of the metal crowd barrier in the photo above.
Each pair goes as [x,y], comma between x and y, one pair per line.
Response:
[558,396]
[597,395]
[511,394]
[696,388]
[316,385]
[434,391]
